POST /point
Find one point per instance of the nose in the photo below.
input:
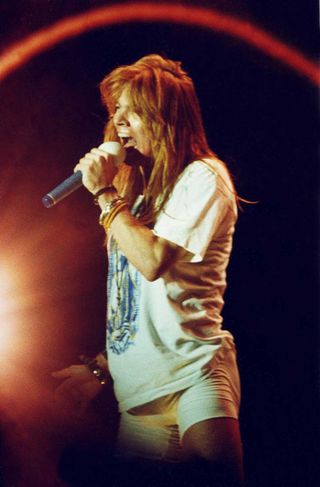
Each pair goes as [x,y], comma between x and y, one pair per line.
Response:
[120,119]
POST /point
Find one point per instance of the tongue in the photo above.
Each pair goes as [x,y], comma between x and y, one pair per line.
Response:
[129,143]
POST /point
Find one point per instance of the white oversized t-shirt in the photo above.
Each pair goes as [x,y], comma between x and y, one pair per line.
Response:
[162,335]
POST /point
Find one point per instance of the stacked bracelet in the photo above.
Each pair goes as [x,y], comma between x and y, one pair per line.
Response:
[109,218]
[95,368]
[111,210]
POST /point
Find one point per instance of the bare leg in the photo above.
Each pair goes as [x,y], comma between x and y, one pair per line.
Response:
[215,444]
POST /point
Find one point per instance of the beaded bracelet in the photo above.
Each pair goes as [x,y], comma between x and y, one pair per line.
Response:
[95,369]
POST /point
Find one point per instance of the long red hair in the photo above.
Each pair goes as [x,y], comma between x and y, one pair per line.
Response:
[163,95]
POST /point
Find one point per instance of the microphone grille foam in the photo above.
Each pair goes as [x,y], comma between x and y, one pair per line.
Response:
[114,149]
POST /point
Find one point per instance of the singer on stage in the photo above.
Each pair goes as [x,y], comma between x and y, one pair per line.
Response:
[169,213]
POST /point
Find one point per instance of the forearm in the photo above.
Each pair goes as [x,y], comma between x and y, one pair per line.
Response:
[148,253]
[139,244]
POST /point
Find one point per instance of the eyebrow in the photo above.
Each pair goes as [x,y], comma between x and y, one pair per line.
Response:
[122,105]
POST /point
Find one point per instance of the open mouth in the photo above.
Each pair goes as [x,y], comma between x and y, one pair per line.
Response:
[127,142]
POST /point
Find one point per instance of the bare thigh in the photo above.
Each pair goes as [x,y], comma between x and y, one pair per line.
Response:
[218,442]
[214,439]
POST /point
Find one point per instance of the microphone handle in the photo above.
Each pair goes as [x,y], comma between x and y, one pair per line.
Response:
[63,190]
[74,182]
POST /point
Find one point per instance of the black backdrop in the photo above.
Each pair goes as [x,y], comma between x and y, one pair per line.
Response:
[262,119]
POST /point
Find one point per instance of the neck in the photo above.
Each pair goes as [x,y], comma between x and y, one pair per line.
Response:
[145,169]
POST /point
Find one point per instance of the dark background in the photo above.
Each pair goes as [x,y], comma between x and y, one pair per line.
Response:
[262,119]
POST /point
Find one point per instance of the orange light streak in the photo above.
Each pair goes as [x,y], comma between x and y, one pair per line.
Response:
[21,52]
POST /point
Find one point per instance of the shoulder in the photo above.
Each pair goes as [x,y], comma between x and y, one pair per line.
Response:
[208,175]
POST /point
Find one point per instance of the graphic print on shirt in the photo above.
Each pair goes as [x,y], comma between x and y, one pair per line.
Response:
[123,289]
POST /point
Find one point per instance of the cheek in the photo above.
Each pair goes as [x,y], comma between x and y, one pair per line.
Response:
[114,121]
[135,123]
[140,133]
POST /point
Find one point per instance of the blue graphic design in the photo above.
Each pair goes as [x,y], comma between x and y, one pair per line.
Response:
[123,287]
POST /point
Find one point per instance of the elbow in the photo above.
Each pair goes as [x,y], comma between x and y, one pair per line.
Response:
[152,275]
[153,271]
[157,263]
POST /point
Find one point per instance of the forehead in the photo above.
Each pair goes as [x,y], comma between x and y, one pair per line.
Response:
[124,98]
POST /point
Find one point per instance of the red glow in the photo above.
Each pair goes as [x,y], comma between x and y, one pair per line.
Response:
[9,337]
[19,53]
[6,285]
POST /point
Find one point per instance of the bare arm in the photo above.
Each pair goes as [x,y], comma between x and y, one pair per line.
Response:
[79,386]
[150,254]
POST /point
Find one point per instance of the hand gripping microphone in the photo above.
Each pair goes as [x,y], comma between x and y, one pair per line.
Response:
[74,182]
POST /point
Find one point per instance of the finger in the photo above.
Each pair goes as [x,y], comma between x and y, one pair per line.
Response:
[61,374]
[101,152]
[91,156]
[87,160]
[91,389]
[76,376]
[83,165]
[66,392]
[72,370]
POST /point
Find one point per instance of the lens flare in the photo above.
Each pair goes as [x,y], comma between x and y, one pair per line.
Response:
[208,18]
[8,317]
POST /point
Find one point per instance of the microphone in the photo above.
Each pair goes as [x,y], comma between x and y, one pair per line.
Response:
[74,182]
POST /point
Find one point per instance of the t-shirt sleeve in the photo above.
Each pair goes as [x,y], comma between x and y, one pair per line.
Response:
[195,210]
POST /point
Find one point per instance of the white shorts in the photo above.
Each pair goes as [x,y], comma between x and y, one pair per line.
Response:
[155,430]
